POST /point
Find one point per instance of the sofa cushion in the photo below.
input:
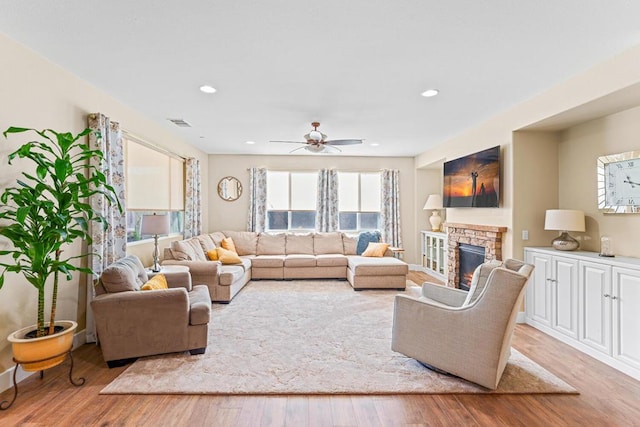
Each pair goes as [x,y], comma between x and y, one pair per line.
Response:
[217,238]
[350,244]
[246,242]
[126,274]
[300,261]
[157,282]
[182,251]
[230,274]
[328,243]
[271,244]
[365,238]
[299,244]
[385,266]
[268,261]
[375,249]
[206,242]
[331,260]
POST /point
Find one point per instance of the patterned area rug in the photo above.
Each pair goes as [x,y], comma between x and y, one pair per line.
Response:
[310,337]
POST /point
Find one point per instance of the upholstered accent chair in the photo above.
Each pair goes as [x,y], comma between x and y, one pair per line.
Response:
[467,334]
[133,323]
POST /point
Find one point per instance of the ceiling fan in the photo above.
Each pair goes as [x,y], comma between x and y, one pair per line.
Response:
[317,142]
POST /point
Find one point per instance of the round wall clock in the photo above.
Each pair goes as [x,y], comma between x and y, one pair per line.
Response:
[619,183]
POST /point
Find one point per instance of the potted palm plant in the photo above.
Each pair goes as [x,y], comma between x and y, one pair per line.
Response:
[45,211]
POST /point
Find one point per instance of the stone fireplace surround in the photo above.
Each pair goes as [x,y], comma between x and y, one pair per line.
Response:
[487,236]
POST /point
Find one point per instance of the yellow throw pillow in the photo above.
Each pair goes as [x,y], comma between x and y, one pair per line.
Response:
[227,243]
[226,256]
[156,282]
[212,255]
[375,249]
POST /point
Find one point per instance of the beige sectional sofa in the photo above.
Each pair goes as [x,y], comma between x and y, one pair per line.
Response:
[283,256]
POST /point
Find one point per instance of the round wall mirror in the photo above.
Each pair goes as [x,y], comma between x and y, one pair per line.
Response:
[229,188]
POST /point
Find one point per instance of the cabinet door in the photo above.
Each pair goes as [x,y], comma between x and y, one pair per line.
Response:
[564,285]
[625,300]
[538,302]
[595,306]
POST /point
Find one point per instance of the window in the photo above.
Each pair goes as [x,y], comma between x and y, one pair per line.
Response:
[154,183]
[359,201]
[291,200]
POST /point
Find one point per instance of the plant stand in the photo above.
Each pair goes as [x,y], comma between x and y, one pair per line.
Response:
[5,404]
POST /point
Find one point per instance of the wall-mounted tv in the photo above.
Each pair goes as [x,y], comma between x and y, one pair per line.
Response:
[473,181]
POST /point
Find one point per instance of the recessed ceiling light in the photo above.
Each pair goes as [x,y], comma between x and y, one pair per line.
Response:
[250,142]
[208,89]
[374,144]
[430,92]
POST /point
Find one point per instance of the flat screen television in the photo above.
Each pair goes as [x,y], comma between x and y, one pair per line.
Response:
[473,181]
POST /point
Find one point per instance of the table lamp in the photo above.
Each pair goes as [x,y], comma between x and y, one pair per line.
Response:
[153,225]
[564,220]
[434,202]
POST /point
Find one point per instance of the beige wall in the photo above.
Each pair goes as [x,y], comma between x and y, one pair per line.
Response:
[39,94]
[225,215]
[579,148]
[604,90]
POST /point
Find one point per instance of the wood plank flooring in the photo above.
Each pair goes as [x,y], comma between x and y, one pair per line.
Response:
[607,398]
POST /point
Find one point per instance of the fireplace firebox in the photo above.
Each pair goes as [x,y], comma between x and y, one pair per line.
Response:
[471,256]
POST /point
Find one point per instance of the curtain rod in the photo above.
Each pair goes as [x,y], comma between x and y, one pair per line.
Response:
[152,145]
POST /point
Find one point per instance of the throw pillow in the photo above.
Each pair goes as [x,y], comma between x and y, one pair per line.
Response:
[227,243]
[375,249]
[156,282]
[226,256]
[213,254]
[365,238]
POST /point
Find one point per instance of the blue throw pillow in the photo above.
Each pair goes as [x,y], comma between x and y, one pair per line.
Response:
[365,238]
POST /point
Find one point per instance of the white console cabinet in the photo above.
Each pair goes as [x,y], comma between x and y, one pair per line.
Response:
[434,253]
[589,302]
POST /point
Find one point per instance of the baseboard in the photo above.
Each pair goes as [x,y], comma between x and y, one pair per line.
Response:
[521,317]
[416,267]
[6,378]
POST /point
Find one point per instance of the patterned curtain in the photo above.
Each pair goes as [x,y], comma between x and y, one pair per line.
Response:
[390,208]
[257,219]
[111,244]
[327,204]
[193,199]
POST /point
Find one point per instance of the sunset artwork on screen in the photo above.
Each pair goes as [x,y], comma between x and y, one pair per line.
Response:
[473,181]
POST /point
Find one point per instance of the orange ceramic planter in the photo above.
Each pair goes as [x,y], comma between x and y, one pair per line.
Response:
[36,354]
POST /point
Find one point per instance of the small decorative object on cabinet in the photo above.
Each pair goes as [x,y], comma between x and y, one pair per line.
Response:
[606,246]
[588,302]
[434,253]
[619,183]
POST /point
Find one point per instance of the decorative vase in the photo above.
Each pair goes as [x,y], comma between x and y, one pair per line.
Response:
[37,354]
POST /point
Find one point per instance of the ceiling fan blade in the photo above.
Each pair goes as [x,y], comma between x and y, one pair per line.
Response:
[299,148]
[292,142]
[344,142]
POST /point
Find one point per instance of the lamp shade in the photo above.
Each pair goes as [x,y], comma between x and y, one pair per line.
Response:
[154,224]
[564,220]
[434,201]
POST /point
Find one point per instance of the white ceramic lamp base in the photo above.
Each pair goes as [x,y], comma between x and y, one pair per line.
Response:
[435,221]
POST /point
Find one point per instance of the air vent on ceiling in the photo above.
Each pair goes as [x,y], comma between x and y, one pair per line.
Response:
[180,122]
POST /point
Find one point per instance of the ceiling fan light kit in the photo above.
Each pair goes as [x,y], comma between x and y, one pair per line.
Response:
[317,142]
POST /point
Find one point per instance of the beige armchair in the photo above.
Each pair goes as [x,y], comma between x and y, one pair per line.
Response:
[132,323]
[467,334]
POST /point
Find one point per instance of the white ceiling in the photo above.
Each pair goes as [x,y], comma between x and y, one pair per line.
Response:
[357,66]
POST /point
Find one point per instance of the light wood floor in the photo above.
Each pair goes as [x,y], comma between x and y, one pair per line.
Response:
[607,398]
